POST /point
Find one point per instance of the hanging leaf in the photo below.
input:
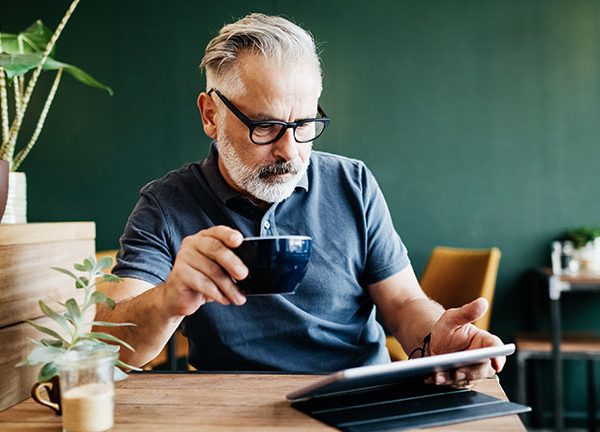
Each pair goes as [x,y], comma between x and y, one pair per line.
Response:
[112,324]
[128,366]
[48,311]
[109,337]
[78,281]
[47,372]
[19,64]
[46,330]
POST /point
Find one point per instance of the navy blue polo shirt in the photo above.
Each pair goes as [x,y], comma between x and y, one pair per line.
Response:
[329,323]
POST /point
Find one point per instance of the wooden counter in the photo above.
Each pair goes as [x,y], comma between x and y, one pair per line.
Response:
[27,253]
[216,402]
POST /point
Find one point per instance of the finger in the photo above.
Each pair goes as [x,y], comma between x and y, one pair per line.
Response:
[440,378]
[198,282]
[219,252]
[229,236]
[473,373]
[467,313]
[498,363]
[219,278]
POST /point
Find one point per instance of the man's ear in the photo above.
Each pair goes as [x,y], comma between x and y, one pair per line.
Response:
[208,113]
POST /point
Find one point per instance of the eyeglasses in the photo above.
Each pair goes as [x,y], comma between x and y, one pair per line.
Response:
[264,132]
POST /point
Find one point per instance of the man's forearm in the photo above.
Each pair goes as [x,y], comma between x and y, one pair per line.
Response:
[418,317]
[153,326]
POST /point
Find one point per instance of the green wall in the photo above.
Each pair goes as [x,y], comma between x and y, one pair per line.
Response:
[479,118]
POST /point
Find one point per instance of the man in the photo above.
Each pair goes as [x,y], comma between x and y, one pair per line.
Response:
[261,177]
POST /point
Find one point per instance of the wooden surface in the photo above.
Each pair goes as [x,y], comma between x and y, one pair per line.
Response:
[570,342]
[582,278]
[26,276]
[216,402]
[13,234]
[17,382]
[27,253]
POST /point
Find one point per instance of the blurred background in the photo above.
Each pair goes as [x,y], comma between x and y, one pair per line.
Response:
[479,118]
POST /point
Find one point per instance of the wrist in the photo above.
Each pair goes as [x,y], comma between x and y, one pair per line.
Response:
[423,350]
[165,308]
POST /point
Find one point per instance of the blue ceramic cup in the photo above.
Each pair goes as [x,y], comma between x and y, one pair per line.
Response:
[276,264]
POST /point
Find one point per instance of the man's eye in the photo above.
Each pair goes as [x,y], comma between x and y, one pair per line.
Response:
[265,129]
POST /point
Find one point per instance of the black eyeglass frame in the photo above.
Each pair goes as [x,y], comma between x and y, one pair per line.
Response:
[253,124]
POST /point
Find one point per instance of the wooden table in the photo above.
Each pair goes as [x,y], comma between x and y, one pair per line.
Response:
[216,402]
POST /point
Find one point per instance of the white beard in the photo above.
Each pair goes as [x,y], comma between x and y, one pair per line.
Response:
[260,181]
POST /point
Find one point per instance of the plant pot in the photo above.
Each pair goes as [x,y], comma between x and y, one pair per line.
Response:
[4,169]
[16,203]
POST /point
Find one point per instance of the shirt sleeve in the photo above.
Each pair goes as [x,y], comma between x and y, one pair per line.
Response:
[386,253]
[145,252]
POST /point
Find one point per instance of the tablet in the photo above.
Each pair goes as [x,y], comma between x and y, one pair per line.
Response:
[366,377]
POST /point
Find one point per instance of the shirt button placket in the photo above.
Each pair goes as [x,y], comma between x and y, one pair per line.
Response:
[267,226]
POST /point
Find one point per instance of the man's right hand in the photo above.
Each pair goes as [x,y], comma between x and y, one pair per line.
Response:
[203,271]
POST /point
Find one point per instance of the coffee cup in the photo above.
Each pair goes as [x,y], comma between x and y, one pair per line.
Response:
[276,264]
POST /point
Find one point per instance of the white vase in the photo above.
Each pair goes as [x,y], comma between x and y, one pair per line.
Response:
[16,202]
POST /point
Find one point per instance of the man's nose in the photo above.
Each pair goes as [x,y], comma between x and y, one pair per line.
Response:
[286,147]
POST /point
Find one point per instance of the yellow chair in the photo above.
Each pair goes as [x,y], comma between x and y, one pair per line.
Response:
[454,277]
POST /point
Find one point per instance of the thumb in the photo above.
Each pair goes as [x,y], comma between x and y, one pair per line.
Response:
[468,313]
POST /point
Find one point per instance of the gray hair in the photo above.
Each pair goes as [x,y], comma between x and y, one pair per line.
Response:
[273,37]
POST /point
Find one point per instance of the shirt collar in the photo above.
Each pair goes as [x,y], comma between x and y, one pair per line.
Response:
[210,168]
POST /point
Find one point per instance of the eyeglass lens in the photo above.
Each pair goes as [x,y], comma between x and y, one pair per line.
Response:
[304,132]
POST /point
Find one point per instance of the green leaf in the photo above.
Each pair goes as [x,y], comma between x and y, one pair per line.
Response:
[47,372]
[88,264]
[74,310]
[52,343]
[79,267]
[99,297]
[128,366]
[34,39]
[110,278]
[82,283]
[19,64]
[109,337]
[70,274]
[105,263]
[44,354]
[46,330]
[48,311]
[119,375]
[111,324]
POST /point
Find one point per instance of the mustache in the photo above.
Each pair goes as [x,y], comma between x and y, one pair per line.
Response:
[280,167]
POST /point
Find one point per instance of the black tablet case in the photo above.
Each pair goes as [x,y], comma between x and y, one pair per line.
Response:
[406,405]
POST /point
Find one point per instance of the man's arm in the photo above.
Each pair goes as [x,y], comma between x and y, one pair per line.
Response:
[408,313]
[204,269]
[140,303]
[410,316]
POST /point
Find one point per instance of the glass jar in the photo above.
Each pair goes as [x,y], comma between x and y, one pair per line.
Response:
[87,390]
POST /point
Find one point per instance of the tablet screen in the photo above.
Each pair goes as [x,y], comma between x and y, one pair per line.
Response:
[361,378]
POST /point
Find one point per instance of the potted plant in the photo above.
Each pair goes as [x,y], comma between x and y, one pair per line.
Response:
[586,245]
[23,57]
[73,330]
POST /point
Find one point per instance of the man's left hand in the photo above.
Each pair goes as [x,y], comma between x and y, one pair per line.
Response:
[454,331]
